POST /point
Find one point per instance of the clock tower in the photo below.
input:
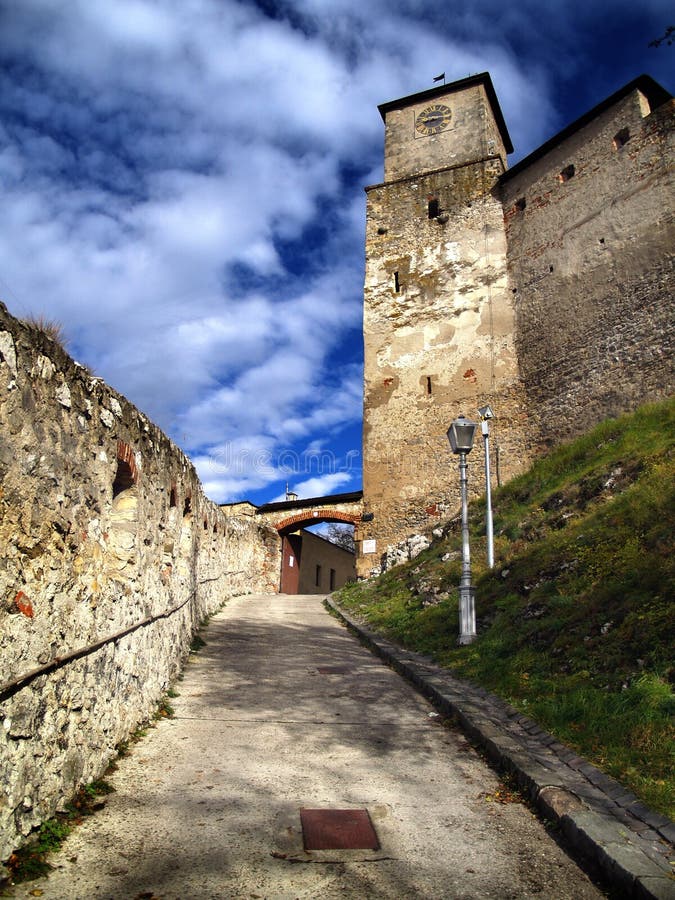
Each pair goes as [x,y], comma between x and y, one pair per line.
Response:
[438,317]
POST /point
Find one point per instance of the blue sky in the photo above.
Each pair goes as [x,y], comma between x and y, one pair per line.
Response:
[182,186]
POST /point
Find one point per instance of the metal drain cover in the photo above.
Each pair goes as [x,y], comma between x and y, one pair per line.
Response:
[338,829]
[333,670]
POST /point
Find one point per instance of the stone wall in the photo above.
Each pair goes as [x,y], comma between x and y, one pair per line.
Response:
[112,556]
[439,342]
[590,236]
[545,291]
[472,133]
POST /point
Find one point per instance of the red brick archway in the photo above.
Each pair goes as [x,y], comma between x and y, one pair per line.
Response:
[311,517]
[291,546]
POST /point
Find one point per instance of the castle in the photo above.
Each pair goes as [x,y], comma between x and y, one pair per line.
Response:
[543,290]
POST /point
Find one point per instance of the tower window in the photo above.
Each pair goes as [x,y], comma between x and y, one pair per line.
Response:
[429,385]
[397,283]
[567,173]
[620,138]
[434,207]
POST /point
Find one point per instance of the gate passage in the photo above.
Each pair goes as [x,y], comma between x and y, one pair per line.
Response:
[309,563]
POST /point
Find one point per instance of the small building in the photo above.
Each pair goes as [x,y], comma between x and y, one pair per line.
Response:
[314,565]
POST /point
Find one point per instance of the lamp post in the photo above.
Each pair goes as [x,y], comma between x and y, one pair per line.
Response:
[485,413]
[460,435]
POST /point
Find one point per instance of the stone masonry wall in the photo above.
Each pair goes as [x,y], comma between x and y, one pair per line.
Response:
[111,557]
[590,235]
[473,134]
[545,291]
[438,334]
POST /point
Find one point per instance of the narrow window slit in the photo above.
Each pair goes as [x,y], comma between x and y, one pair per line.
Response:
[567,173]
[621,138]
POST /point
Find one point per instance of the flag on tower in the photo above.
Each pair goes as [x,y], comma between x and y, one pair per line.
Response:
[440,77]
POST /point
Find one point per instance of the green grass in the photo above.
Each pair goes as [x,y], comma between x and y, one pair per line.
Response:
[197,643]
[164,710]
[30,860]
[576,623]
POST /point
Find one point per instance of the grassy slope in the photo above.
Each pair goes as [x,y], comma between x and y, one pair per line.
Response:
[576,622]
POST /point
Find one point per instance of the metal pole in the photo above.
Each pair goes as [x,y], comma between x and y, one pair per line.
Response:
[467,606]
[485,428]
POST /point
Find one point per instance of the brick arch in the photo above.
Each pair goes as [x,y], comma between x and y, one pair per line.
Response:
[300,520]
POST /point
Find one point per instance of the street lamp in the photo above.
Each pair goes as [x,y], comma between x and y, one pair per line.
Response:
[485,413]
[460,435]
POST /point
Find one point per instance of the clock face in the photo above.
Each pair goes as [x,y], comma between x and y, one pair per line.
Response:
[433,119]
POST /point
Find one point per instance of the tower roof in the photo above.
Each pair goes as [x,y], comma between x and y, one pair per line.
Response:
[444,89]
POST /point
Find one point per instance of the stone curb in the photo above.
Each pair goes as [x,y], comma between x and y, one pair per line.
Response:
[603,821]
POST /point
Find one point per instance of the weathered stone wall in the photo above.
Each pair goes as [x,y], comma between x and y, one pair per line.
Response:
[104,532]
[438,334]
[545,291]
[471,134]
[590,265]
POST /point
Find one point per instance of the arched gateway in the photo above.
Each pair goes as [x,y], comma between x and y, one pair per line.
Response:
[310,564]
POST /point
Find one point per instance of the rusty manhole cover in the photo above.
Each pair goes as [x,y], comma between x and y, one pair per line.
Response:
[338,829]
[333,670]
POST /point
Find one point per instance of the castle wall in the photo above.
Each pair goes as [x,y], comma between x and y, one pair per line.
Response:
[112,555]
[545,291]
[438,334]
[590,267]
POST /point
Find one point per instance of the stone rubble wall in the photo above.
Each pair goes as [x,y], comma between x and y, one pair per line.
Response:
[439,342]
[545,291]
[590,234]
[104,531]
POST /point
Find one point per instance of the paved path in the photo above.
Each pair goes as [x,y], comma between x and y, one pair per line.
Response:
[283,710]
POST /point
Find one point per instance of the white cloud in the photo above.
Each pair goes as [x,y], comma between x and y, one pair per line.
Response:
[182,189]
[320,486]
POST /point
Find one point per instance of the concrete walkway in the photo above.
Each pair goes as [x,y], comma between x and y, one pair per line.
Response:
[284,710]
